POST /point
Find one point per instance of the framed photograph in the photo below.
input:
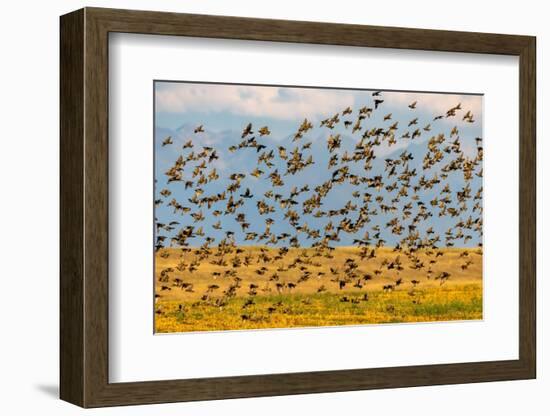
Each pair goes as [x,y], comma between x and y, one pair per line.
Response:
[255,207]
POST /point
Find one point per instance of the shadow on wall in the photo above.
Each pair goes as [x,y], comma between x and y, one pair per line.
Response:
[49,390]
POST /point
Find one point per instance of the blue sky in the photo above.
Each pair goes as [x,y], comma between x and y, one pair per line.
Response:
[224,110]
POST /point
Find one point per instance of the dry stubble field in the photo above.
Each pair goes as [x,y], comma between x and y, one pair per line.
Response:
[319,300]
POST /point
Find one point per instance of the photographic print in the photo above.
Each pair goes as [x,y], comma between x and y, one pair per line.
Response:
[286,206]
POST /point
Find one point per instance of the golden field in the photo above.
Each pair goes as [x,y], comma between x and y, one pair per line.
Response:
[272,292]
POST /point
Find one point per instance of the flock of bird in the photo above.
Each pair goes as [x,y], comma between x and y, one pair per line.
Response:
[397,191]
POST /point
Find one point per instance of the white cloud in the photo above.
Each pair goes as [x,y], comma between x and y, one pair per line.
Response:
[281,103]
[295,103]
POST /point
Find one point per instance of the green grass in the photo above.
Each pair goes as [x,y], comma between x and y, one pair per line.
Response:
[445,303]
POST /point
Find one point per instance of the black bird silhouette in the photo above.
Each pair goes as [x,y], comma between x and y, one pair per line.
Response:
[247,130]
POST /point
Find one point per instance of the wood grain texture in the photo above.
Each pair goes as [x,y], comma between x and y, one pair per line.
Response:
[96,219]
[527,207]
[84,207]
[226,27]
[72,367]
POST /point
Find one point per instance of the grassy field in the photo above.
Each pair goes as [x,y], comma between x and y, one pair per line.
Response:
[275,292]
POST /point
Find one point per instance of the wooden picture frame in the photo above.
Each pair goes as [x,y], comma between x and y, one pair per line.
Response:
[84,207]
